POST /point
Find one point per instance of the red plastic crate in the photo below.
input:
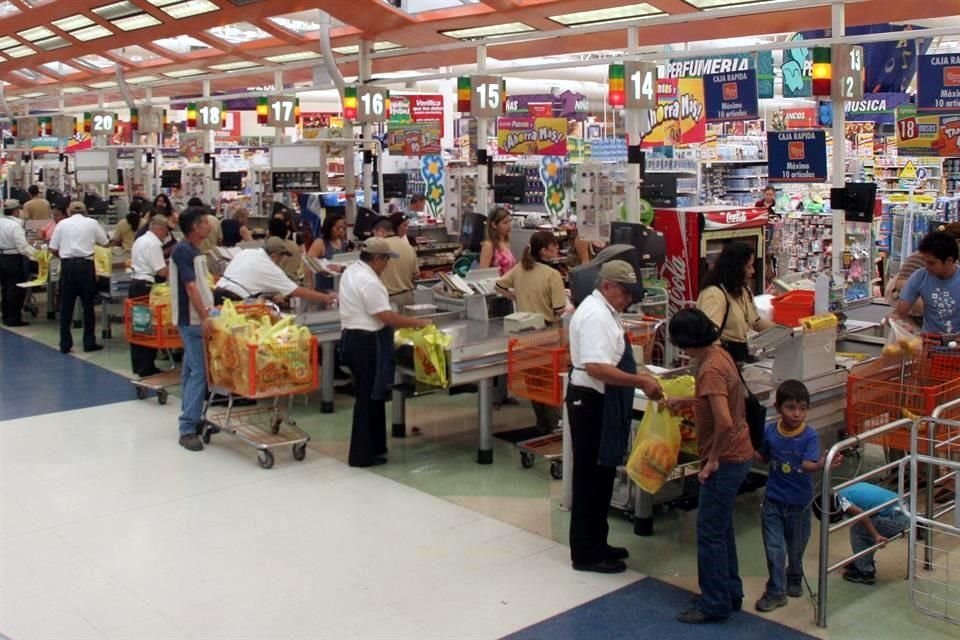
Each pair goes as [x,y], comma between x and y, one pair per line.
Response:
[791,306]
[534,365]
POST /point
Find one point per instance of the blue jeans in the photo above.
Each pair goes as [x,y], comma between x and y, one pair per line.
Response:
[786,531]
[717,566]
[193,385]
[860,539]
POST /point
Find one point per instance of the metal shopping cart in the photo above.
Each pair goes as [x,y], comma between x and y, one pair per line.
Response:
[239,368]
[151,325]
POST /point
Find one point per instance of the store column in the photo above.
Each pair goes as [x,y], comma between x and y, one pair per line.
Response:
[838,168]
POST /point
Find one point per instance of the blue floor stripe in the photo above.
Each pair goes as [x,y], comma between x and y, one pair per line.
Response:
[647,609]
[35,379]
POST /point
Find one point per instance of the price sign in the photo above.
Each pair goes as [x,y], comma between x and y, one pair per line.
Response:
[151,119]
[848,69]
[641,85]
[103,123]
[210,115]
[281,111]
[63,126]
[486,96]
[371,104]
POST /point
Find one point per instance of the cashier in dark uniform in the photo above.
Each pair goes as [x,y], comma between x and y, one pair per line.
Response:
[599,405]
[255,272]
[149,267]
[368,322]
[74,241]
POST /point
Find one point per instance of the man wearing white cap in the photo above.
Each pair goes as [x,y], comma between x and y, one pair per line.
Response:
[368,322]
[13,248]
[74,241]
[599,406]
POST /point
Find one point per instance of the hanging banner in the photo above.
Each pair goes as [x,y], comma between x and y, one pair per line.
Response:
[405,109]
[532,136]
[875,107]
[938,83]
[415,138]
[797,156]
[927,134]
[679,118]
[731,96]
[568,104]
[540,109]
[794,118]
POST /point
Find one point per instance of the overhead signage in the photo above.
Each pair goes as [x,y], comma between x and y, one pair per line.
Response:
[679,118]
[793,118]
[875,107]
[911,177]
[371,104]
[209,115]
[103,122]
[641,85]
[406,109]
[532,136]
[797,156]
[735,218]
[938,83]
[540,109]
[486,96]
[731,96]
[28,128]
[415,138]
[699,67]
[150,119]
[567,104]
[848,72]
[63,126]
[281,111]
[796,70]
[927,134]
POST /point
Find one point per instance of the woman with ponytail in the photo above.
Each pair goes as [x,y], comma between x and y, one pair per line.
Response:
[538,288]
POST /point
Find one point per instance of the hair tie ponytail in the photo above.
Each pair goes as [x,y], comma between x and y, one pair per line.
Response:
[527,260]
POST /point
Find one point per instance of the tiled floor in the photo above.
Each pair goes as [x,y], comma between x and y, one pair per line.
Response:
[109,530]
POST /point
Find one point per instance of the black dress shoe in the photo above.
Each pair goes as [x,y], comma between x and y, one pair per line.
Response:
[376,462]
[604,566]
[695,616]
[735,605]
[18,323]
[150,372]
[616,553]
[96,347]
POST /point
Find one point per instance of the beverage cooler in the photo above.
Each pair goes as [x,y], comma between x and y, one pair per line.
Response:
[695,236]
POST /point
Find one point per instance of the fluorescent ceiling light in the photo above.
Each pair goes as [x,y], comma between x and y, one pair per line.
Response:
[299,27]
[117,10]
[29,74]
[96,62]
[182,44]
[13,98]
[33,94]
[36,33]
[132,23]
[183,73]
[162,3]
[6,42]
[142,79]
[488,31]
[7,8]
[60,68]
[20,52]
[352,49]
[136,54]
[722,4]
[238,33]
[49,44]
[611,14]
[190,8]
[72,22]
[102,85]
[230,66]
[91,33]
[70,91]
[295,56]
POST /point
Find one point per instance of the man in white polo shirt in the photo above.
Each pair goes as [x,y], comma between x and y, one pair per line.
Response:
[74,240]
[149,268]
[14,249]
[255,272]
[599,406]
[368,322]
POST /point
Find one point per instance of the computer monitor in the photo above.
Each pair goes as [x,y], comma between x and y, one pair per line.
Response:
[363,227]
[473,231]
[231,181]
[170,178]
[19,194]
[650,244]
[394,185]
[861,200]
[53,196]
[583,278]
[509,189]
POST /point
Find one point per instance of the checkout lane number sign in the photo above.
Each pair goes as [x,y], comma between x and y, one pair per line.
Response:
[281,111]
[103,122]
[210,115]
[371,104]
[486,96]
[641,85]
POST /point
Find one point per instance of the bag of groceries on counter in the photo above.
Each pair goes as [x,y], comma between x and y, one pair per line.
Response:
[429,354]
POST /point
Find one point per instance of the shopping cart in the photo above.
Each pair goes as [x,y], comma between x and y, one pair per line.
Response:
[882,391]
[236,367]
[647,333]
[151,325]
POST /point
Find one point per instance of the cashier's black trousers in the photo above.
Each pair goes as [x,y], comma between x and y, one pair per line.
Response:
[592,483]
[78,279]
[141,358]
[368,439]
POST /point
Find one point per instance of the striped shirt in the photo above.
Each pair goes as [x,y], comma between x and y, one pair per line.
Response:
[717,376]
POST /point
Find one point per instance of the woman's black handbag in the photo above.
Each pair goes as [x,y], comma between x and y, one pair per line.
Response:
[756,414]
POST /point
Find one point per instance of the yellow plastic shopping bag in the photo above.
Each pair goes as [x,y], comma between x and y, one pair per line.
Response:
[103,261]
[429,354]
[42,258]
[655,449]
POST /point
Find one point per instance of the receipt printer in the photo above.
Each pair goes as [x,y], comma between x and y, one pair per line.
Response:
[523,321]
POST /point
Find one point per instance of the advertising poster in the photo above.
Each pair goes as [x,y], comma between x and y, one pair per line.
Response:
[797,156]
[414,108]
[793,118]
[879,108]
[680,115]
[731,96]
[927,134]
[415,138]
[532,136]
[938,83]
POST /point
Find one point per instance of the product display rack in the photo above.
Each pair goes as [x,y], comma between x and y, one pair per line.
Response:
[739,182]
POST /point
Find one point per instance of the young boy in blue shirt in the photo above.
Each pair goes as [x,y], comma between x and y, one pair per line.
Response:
[792,450]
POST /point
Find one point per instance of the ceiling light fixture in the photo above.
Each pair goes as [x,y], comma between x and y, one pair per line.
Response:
[71,91]
[189,8]
[56,42]
[183,73]
[611,14]
[6,42]
[117,10]
[36,33]
[142,79]
[230,66]
[354,49]
[20,52]
[33,94]
[239,33]
[73,22]
[489,31]
[91,33]
[102,85]
[294,57]
[132,23]
[706,5]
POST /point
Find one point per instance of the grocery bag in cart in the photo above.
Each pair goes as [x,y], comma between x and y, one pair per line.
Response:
[429,354]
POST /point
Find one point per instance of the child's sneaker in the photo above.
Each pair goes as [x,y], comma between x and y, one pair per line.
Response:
[852,574]
[768,602]
[795,590]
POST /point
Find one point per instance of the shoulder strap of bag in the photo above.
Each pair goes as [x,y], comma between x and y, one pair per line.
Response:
[744,383]
[726,311]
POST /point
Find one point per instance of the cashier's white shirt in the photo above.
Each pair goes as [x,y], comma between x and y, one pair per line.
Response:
[252,272]
[77,236]
[596,337]
[146,257]
[362,295]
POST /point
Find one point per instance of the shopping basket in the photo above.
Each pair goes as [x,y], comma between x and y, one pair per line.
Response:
[150,325]
[278,368]
[645,333]
[534,365]
[882,391]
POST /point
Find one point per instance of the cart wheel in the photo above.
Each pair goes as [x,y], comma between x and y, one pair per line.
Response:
[300,451]
[205,436]
[526,459]
[275,427]
[162,396]
[141,393]
[265,458]
[556,470]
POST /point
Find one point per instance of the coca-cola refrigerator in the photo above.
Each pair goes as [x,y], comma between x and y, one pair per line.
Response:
[695,236]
